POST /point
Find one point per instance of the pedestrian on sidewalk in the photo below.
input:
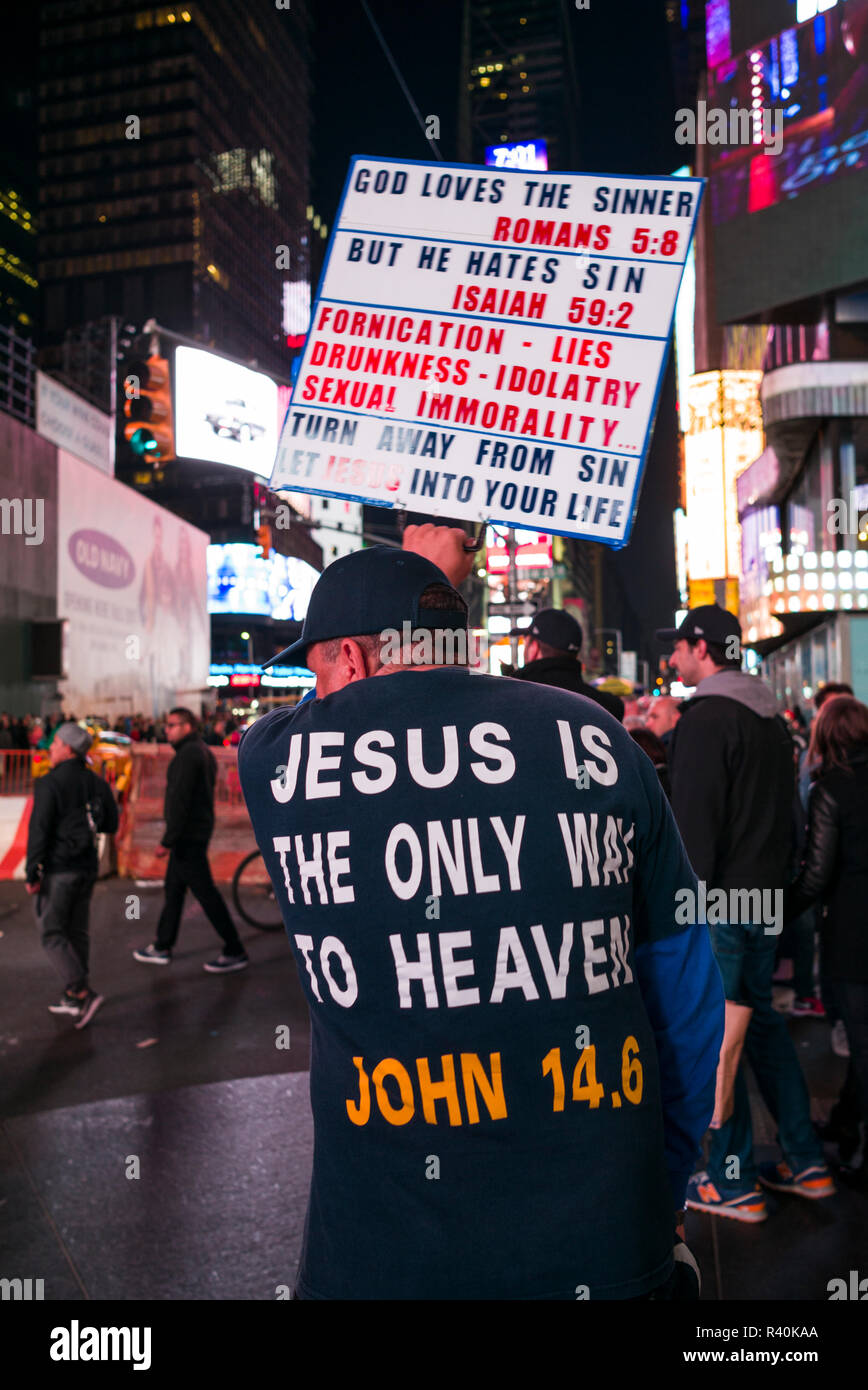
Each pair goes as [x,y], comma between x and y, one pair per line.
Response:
[71,806]
[830,1006]
[189,815]
[835,870]
[733,789]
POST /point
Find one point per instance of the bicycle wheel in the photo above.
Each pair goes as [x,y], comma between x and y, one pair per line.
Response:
[253,894]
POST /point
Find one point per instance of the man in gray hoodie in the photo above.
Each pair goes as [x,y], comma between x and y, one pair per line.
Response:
[733,777]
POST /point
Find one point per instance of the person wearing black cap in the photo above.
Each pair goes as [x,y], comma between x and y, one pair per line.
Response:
[733,788]
[513,1047]
[71,804]
[551,657]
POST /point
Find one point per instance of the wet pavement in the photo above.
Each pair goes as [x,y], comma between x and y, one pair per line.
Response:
[179,1169]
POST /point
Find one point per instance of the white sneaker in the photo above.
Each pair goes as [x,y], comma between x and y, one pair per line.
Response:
[152,955]
[840,1044]
[224,964]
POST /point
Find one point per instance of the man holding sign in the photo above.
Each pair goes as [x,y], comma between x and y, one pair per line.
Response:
[513,1044]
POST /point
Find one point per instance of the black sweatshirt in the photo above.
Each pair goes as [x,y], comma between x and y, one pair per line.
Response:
[733,783]
[565,673]
[189,803]
[63,790]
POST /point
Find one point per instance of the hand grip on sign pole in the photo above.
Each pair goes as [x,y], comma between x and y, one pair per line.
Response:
[471,545]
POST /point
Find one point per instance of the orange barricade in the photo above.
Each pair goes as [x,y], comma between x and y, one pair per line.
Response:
[142,823]
[16,773]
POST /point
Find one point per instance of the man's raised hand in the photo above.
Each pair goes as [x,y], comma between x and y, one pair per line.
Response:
[444,546]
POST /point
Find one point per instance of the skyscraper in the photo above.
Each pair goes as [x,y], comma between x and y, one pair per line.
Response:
[19,295]
[519,80]
[174,158]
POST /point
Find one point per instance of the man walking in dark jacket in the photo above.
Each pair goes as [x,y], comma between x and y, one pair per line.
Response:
[551,657]
[732,794]
[189,812]
[70,804]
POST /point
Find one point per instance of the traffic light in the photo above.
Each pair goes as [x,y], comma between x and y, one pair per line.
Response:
[148,407]
[263,540]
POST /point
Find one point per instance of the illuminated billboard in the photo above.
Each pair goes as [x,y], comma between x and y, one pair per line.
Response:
[131,582]
[241,581]
[790,225]
[224,413]
[724,435]
[533,551]
[243,673]
[527,154]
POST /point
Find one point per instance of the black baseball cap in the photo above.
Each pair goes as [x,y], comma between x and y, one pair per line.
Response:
[554,627]
[710,621]
[363,593]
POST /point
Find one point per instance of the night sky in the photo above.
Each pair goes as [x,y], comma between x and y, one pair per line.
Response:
[627,105]
[627,126]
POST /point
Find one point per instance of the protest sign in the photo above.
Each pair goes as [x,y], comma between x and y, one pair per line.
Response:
[490,345]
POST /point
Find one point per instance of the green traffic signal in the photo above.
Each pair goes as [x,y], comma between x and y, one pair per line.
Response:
[144,444]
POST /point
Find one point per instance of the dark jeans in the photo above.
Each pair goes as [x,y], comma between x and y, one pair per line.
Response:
[852,1104]
[746,958]
[188,868]
[62,910]
[801,946]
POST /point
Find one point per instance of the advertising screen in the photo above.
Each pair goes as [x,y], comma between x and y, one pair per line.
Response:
[533,550]
[532,154]
[241,581]
[724,435]
[789,215]
[224,413]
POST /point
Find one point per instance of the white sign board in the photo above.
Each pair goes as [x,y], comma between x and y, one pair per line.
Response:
[73,424]
[132,584]
[490,344]
[224,413]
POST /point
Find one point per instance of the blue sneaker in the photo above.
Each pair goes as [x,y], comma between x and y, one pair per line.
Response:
[814,1182]
[748,1206]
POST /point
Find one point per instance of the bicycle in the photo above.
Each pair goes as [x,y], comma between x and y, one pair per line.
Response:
[253,894]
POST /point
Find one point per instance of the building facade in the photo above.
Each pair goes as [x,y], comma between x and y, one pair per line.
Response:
[173,165]
[781,264]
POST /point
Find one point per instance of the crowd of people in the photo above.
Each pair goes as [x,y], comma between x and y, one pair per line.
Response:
[29,732]
[651,721]
[444,804]
[25,733]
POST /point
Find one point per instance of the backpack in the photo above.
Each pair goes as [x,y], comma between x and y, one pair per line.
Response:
[83,824]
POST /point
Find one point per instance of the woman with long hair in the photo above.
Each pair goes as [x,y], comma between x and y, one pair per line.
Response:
[835,871]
